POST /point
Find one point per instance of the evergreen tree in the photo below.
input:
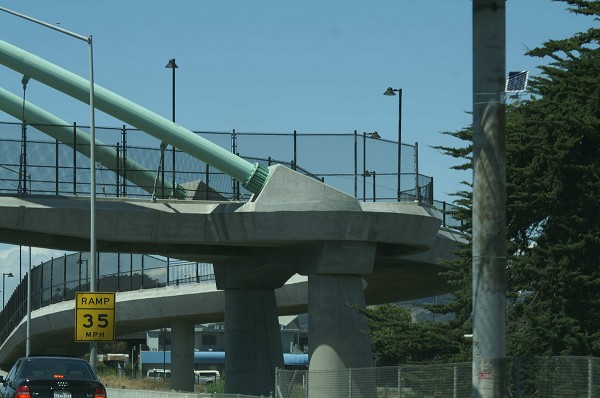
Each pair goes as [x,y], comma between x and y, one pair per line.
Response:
[396,339]
[458,271]
[553,210]
[553,170]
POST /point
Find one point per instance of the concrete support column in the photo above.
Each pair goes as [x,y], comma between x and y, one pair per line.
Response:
[252,341]
[339,333]
[339,338]
[252,338]
[182,355]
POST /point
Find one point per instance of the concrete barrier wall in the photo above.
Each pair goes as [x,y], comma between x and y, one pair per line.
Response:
[124,393]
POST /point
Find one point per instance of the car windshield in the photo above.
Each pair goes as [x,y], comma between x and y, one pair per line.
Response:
[57,368]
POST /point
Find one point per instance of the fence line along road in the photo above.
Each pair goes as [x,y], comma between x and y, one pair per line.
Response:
[547,377]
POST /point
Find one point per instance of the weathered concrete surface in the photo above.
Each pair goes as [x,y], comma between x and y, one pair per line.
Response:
[182,355]
[341,339]
[252,341]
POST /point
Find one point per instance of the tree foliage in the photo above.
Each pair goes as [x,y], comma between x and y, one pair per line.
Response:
[553,208]
[553,172]
[114,347]
[395,339]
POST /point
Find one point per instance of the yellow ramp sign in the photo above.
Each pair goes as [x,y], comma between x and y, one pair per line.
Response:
[94,316]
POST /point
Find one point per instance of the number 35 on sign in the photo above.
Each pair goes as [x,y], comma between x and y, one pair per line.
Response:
[94,316]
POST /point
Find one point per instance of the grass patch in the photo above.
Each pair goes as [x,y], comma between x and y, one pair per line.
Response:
[144,383]
[113,381]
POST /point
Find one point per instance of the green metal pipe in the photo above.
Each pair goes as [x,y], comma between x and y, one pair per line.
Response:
[62,131]
[252,176]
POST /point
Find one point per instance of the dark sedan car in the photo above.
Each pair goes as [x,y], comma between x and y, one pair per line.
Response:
[51,377]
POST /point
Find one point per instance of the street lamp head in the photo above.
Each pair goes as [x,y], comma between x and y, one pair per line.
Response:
[9,274]
[390,91]
[25,80]
[375,135]
[171,64]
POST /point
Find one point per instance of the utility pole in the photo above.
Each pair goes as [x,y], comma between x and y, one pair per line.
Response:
[489,200]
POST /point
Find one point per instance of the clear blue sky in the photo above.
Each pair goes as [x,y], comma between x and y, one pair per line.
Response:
[276,66]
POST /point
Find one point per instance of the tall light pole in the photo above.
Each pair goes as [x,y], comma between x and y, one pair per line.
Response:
[391,92]
[88,40]
[172,65]
[489,374]
[4,275]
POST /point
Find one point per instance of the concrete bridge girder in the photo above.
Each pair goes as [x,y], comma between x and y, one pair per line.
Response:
[210,231]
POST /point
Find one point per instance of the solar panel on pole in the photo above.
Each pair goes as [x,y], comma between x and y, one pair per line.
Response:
[517,81]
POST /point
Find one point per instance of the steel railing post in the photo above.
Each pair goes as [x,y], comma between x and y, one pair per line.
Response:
[74,158]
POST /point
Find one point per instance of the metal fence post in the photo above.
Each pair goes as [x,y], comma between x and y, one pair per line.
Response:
[207,177]
[234,149]
[131,269]
[355,165]
[399,381]
[168,270]
[295,149]
[64,287]
[455,388]
[56,164]
[142,278]
[417,193]
[590,378]
[162,169]
[124,157]
[444,214]
[119,280]
[74,158]
[174,175]
[276,388]
[118,168]
[364,174]
[374,187]
[350,383]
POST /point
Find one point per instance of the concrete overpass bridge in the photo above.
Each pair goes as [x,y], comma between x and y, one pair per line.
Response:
[349,253]
[321,252]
